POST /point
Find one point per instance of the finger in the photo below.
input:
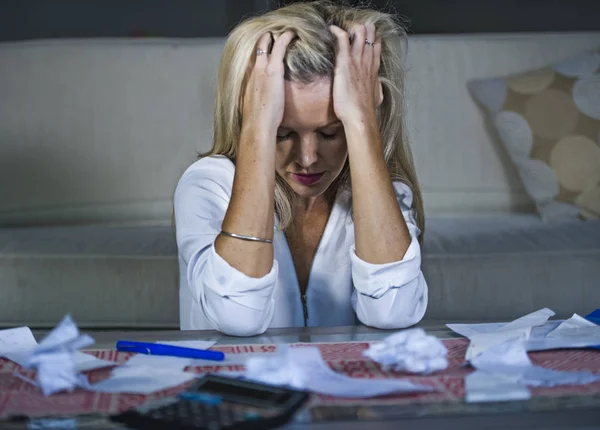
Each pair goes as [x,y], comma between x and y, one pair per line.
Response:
[377,56]
[262,49]
[359,35]
[280,46]
[370,36]
[379,97]
[343,41]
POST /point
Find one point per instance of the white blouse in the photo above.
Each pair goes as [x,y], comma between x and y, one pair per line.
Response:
[341,286]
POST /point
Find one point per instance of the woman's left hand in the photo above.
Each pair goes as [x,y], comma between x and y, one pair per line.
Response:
[356,87]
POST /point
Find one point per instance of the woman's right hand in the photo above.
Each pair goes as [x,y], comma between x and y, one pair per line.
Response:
[264,99]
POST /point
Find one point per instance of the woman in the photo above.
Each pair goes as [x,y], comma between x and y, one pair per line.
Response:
[307,210]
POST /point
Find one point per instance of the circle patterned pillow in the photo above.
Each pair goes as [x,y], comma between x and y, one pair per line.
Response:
[549,122]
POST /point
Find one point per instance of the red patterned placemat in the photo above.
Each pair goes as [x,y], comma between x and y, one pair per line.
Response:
[20,398]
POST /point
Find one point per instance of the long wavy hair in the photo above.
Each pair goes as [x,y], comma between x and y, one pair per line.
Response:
[310,56]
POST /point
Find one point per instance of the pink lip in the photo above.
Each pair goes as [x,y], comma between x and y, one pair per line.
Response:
[307,179]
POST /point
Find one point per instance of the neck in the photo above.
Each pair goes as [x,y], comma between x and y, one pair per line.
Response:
[306,205]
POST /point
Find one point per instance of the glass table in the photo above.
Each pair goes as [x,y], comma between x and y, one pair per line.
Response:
[578,412]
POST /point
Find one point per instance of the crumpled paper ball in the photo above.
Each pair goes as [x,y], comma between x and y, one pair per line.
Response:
[411,350]
[53,359]
[282,368]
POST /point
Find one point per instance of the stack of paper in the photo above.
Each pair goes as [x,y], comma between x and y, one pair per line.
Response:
[504,371]
[576,332]
[499,353]
[538,333]
[484,336]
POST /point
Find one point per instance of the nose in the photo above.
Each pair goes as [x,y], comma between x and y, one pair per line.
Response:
[308,152]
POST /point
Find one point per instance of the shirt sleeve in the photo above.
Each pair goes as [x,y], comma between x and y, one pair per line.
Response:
[228,300]
[392,295]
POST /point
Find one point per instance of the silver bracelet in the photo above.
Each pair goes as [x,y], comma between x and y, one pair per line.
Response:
[249,238]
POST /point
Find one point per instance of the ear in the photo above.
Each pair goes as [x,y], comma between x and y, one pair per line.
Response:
[380,93]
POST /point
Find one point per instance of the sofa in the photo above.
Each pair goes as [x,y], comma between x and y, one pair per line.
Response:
[94,135]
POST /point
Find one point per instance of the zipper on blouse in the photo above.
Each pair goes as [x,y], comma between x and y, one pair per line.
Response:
[305,309]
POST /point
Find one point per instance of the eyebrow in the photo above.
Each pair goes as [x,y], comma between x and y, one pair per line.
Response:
[333,123]
[336,122]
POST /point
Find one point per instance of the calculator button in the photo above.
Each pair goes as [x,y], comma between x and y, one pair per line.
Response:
[213,425]
[227,417]
[239,415]
[253,416]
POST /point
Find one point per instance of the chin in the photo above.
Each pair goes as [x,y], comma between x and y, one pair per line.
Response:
[309,192]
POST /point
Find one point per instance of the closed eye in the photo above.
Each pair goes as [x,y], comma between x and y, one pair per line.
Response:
[283,137]
[328,136]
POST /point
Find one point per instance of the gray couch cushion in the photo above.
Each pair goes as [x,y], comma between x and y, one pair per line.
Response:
[126,276]
[103,276]
[502,267]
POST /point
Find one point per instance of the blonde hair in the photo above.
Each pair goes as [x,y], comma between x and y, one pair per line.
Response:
[311,56]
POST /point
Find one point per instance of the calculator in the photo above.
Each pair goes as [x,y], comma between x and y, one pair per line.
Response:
[218,403]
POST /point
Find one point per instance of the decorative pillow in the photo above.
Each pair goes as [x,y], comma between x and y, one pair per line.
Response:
[549,121]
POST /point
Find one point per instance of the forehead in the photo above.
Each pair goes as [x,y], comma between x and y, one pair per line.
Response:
[308,106]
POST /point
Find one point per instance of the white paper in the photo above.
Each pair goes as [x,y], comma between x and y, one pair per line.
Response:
[576,327]
[52,423]
[141,380]
[85,362]
[232,359]
[507,357]
[168,362]
[196,344]
[18,344]
[56,358]
[304,369]
[575,321]
[537,376]
[53,359]
[511,358]
[19,356]
[15,339]
[468,330]
[504,367]
[410,350]
[483,341]
[482,386]
[146,374]
[159,362]
[540,337]
[533,319]
[575,332]
[230,373]
[559,343]
[56,372]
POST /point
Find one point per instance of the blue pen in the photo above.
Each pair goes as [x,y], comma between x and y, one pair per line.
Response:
[174,351]
[594,317]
